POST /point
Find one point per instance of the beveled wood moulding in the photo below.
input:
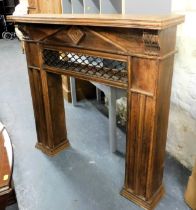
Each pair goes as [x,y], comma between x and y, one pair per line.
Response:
[129,52]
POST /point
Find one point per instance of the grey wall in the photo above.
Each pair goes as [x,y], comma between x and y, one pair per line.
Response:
[148,7]
[111,6]
[92,6]
[67,8]
[78,6]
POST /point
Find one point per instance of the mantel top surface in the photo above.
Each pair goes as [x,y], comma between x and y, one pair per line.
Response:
[113,20]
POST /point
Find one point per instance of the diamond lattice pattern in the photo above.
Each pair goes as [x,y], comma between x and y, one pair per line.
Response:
[88,65]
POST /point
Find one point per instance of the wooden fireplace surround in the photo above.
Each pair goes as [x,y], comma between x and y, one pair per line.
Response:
[123,51]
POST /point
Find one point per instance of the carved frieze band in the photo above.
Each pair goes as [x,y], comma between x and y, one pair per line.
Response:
[151,43]
[99,39]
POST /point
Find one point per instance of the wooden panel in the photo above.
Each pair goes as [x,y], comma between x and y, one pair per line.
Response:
[142,43]
[32,54]
[39,32]
[54,113]
[128,41]
[56,108]
[112,40]
[139,139]
[162,114]
[45,6]
[144,74]
[95,39]
[168,40]
[38,104]
[33,60]
[33,7]
[146,137]
[50,6]
[48,107]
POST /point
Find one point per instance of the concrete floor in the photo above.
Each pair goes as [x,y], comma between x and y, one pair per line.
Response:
[86,176]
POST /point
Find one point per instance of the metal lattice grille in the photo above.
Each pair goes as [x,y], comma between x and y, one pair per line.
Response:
[88,65]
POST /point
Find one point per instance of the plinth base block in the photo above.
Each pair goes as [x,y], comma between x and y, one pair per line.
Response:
[52,151]
[150,204]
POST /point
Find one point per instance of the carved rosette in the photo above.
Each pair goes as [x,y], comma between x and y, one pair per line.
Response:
[151,43]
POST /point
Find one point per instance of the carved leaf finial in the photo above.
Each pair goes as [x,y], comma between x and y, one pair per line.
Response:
[151,43]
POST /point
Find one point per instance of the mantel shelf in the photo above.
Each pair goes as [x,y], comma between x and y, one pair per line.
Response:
[111,20]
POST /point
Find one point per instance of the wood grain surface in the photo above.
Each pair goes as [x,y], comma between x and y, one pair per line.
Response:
[143,49]
[114,20]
